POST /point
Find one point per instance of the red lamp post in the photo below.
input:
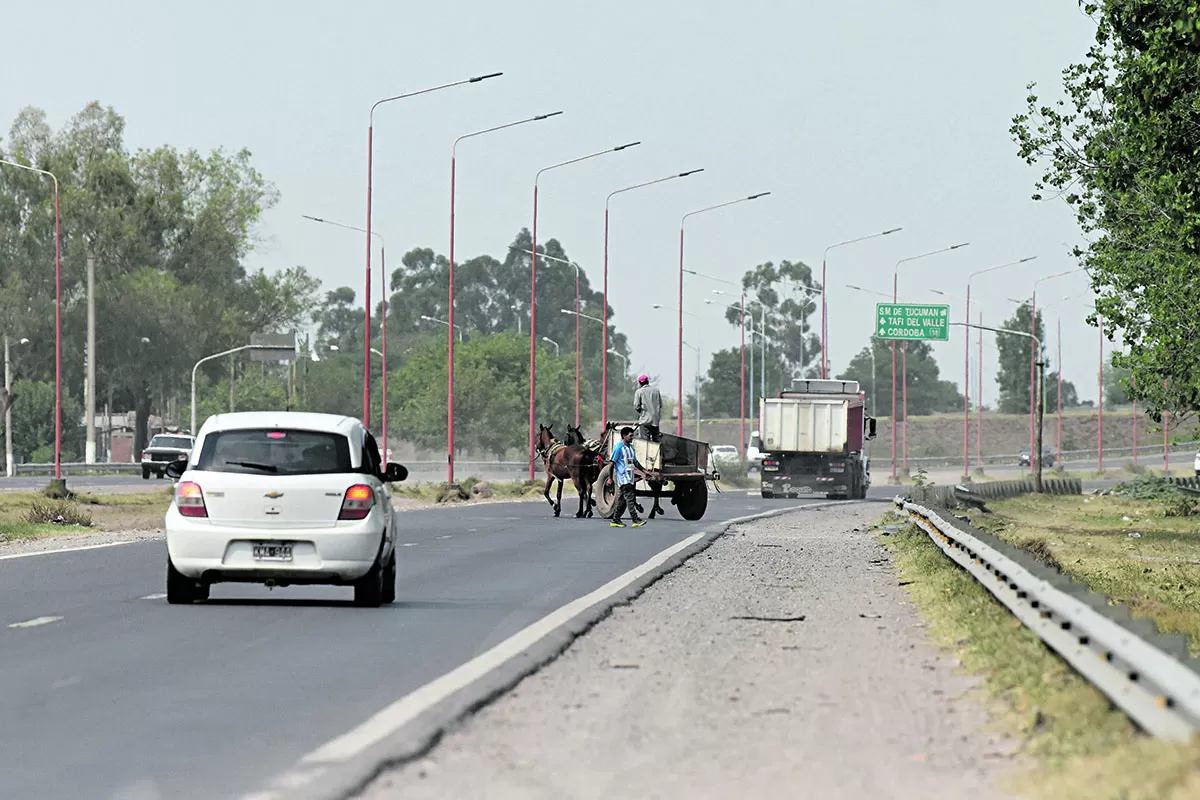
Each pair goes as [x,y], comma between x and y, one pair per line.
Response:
[370,165]
[895,299]
[967,361]
[450,329]
[533,292]
[383,311]
[57,317]
[679,385]
[1033,355]
[825,305]
[742,311]
[604,345]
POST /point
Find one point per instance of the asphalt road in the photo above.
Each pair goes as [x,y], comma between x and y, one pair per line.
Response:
[111,693]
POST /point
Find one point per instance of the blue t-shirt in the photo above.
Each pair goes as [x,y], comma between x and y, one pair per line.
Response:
[623,463]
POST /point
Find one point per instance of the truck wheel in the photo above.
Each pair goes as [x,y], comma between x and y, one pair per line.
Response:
[604,491]
[691,498]
[145,473]
[767,494]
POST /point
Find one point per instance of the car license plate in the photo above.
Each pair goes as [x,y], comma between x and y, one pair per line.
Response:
[272,551]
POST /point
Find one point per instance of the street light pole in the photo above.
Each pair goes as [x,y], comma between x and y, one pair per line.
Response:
[967,362]
[1033,354]
[219,355]
[604,342]
[578,352]
[383,287]
[679,384]
[1035,456]
[895,299]
[742,374]
[370,166]
[557,350]
[825,305]
[58,479]
[450,338]
[533,290]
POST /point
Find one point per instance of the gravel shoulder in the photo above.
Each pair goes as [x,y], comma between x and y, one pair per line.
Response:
[683,693]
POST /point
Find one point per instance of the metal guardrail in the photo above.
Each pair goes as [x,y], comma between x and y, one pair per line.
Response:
[1010,459]
[1137,671]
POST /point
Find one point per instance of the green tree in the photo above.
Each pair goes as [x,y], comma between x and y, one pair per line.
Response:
[927,392]
[1015,353]
[33,423]
[1117,385]
[785,317]
[1120,150]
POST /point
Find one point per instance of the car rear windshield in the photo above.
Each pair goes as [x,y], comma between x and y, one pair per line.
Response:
[275,451]
[179,442]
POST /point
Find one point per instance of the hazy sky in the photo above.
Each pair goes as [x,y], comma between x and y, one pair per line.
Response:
[856,116]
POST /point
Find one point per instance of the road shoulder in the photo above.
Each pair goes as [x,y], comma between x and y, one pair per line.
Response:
[784,657]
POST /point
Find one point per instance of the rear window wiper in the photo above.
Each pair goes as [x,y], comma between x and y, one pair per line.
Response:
[254,465]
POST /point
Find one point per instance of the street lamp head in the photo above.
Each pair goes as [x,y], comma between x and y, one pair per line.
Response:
[625,147]
[23,341]
[893,230]
[657,305]
[541,117]
[756,196]
[314,219]
[956,246]
[689,172]
[334,347]
[1027,258]
[479,78]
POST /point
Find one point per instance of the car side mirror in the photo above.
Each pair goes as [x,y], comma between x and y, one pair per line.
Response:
[395,473]
[870,427]
[176,468]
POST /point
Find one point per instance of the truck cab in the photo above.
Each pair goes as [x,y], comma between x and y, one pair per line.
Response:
[814,440]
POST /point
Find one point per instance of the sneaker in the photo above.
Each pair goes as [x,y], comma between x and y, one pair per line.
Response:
[639,523]
[616,523]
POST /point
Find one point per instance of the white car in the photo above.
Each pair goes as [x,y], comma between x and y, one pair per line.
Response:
[283,498]
[725,453]
[754,455]
[1196,465]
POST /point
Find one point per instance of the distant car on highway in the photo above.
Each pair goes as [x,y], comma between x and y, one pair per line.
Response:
[162,450]
[1047,457]
[754,455]
[283,498]
[725,454]
[1196,465]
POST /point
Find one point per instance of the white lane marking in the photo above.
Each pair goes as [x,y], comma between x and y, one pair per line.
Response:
[68,549]
[444,537]
[408,544]
[159,596]
[34,623]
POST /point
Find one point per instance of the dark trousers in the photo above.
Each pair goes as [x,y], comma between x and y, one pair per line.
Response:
[625,497]
[649,432]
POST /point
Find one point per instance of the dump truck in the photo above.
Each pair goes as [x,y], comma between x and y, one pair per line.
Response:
[814,440]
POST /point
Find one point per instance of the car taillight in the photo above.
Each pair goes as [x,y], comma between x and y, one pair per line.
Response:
[770,462]
[189,499]
[145,456]
[358,502]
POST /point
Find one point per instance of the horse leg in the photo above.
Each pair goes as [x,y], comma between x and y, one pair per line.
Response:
[558,504]
[657,506]
[549,483]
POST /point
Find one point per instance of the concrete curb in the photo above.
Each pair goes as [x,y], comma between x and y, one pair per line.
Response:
[422,735]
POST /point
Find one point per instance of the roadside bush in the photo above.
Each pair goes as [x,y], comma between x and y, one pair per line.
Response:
[58,513]
[1175,501]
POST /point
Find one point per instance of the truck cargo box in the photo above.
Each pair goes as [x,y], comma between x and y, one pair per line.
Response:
[812,424]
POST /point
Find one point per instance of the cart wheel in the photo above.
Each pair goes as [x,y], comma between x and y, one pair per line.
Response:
[691,498]
[604,491]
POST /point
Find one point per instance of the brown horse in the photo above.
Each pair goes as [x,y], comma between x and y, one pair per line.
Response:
[564,461]
[593,462]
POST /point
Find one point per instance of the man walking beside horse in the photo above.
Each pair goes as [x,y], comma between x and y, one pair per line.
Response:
[624,463]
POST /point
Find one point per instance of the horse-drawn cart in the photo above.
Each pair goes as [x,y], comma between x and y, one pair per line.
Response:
[677,460]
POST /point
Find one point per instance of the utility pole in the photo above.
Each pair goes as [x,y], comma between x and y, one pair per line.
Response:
[89,452]
[9,462]
[1041,413]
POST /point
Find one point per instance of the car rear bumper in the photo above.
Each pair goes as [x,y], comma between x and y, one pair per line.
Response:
[214,553]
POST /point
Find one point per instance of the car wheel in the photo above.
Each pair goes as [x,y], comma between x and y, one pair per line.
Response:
[368,590]
[389,579]
[145,473]
[182,590]
[767,494]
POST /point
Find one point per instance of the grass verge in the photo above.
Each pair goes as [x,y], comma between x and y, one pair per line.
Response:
[1081,746]
[26,515]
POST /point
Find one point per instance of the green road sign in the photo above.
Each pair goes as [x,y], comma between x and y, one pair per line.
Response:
[909,321]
